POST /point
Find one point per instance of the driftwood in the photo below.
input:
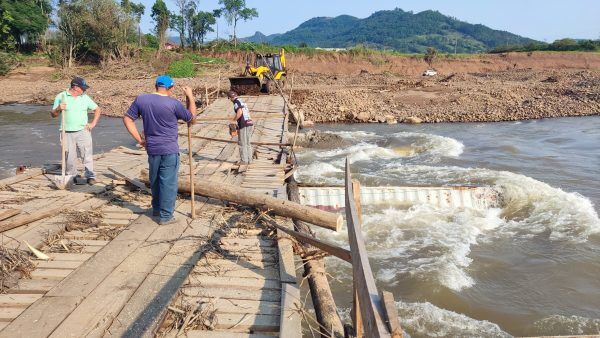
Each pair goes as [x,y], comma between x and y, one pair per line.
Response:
[314,272]
[247,197]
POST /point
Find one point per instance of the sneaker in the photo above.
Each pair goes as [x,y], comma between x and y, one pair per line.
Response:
[172,220]
[91,181]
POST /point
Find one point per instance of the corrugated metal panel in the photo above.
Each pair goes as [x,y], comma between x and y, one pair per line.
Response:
[332,198]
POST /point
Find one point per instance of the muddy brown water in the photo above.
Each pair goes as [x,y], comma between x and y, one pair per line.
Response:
[531,267]
[29,136]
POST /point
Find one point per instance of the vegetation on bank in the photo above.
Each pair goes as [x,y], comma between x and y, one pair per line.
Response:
[562,45]
[98,32]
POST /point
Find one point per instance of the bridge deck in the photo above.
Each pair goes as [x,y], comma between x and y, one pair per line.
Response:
[126,275]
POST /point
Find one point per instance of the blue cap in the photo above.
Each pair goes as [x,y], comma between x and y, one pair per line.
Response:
[164,81]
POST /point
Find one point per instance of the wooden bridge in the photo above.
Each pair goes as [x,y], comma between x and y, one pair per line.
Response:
[113,271]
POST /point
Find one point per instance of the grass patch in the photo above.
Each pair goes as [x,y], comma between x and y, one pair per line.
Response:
[182,68]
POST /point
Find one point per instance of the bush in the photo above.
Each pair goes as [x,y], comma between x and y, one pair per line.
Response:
[8,61]
[182,68]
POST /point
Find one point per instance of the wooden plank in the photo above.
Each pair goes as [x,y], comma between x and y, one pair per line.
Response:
[45,313]
[58,264]
[75,257]
[8,213]
[371,307]
[231,293]
[260,323]
[235,282]
[87,242]
[19,178]
[7,314]
[329,248]
[40,286]
[95,314]
[290,321]
[130,179]
[222,334]
[18,300]
[220,264]
[142,314]
[269,273]
[262,242]
[94,270]
[235,305]
[56,274]
[391,314]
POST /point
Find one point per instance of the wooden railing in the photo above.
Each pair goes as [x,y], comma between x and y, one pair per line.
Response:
[369,312]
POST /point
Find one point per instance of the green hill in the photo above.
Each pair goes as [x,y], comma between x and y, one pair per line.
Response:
[395,29]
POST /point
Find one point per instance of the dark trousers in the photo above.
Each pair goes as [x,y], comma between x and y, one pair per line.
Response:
[163,171]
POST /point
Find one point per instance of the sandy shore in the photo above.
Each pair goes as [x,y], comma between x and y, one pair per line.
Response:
[479,88]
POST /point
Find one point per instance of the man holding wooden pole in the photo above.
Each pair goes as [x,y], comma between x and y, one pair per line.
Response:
[74,105]
[160,113]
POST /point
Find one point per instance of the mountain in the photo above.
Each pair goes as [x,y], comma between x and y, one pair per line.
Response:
[395,29]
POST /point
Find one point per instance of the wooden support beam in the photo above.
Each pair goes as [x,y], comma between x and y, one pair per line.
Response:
[391,314]
[333,250]
[314,270]
[370,304]
[131,180]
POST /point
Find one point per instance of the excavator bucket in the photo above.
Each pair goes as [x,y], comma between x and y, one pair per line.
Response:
[245,85]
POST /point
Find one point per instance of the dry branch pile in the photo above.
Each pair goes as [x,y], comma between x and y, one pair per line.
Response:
[14,264]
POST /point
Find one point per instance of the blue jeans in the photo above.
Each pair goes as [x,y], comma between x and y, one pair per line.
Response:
[163,182]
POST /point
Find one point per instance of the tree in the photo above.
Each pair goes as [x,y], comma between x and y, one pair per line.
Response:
[430,55]
[70,23]
[217,14]
[160,15]
[176,23]
[182,21]
[202,24]
[236,10]
[135,12]
[25,20]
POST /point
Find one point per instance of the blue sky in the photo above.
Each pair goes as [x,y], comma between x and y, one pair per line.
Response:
[542,20]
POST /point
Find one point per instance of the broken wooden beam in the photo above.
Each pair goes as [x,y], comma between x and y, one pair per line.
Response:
[247,197]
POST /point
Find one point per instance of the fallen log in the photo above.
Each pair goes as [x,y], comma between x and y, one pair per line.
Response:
[247,197]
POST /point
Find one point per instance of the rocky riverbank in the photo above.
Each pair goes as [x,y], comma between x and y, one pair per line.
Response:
[476,97]
[557,85]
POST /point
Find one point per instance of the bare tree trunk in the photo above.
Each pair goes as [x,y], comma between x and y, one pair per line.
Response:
[71,47]
[234,36]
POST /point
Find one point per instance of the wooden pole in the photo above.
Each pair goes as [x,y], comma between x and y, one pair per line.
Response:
[206,95]
[291,89]
[356,316]
[191,160]
[314,271]
[63,141]
[235,194]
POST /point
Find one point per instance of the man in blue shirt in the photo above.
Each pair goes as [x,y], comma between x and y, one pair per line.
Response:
[159,113]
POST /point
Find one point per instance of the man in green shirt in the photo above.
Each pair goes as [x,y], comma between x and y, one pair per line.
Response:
[75,104]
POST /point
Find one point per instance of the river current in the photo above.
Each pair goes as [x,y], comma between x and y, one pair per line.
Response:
[530,267]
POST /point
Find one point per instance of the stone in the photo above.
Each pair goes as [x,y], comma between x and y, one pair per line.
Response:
[412,120]
[390,119]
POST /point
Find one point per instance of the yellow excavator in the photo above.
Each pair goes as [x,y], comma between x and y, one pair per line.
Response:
[267,72]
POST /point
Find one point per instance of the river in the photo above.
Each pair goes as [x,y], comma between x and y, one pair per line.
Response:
[531,267]
[29,136]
